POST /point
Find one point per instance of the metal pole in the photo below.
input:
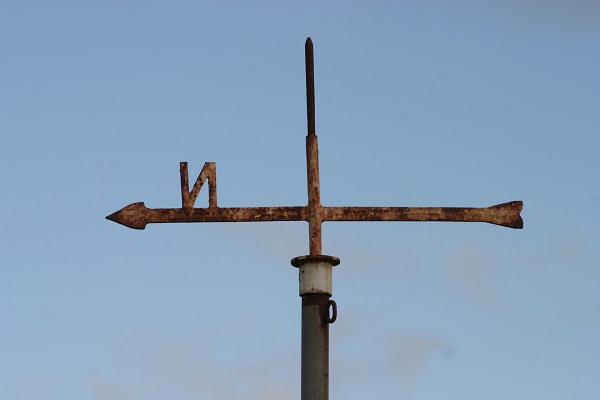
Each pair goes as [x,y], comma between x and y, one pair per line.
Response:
[315,289]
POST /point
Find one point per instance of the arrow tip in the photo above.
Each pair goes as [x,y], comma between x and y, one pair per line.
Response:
[508,214]
[131,216]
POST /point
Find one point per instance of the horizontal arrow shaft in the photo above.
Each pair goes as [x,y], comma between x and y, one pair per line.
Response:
[506,214]
[137,215]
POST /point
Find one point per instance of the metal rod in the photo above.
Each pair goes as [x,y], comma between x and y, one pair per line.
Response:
[137,215]
[310,86]
[315,209]
[312,158]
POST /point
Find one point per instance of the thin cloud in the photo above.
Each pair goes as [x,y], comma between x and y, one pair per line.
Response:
[102,388]
[401,357]
[480,277]
[185,368]
[407,357]
[565,280]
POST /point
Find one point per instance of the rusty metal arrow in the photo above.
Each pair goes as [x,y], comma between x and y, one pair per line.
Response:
[137,215]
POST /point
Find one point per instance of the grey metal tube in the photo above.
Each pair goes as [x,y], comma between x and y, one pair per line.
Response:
[315,347]
[315,289]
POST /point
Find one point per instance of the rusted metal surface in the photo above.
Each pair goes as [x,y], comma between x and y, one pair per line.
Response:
[506,214]
[209,171]
[137,215]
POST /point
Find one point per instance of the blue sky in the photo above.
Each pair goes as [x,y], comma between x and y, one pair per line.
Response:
[417,104]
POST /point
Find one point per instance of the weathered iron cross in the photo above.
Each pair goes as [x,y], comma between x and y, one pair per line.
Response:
[315,269]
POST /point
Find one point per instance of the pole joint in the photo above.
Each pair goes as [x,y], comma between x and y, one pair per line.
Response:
[315,273]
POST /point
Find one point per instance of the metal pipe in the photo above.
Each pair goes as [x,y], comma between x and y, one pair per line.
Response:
[315,347]
[315,276]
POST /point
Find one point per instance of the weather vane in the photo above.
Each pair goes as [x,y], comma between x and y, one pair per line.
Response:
[315,269]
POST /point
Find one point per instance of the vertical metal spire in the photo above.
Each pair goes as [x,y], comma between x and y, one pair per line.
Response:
[315,210]
[310,86]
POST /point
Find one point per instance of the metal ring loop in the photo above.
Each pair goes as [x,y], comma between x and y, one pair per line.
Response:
[333,316]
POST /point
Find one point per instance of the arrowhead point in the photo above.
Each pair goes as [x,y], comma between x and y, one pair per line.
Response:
[131,216]
[509,214]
